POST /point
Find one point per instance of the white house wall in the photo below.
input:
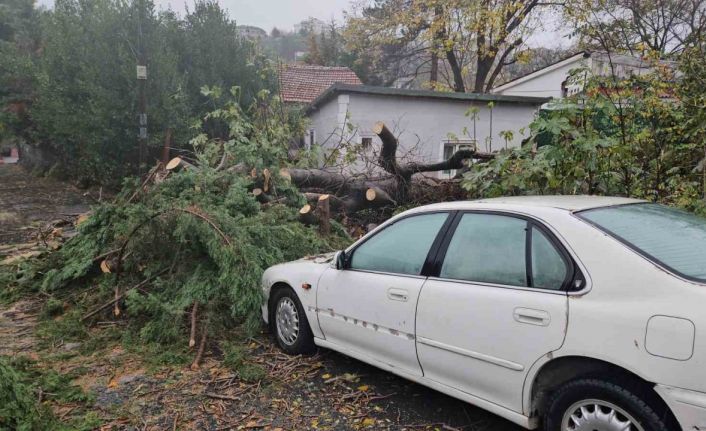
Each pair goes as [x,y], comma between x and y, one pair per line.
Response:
[544,85]
[547,82]
[422,124]
[325,123]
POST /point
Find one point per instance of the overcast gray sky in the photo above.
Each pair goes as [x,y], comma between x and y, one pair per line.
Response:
[285,13]
[266,13]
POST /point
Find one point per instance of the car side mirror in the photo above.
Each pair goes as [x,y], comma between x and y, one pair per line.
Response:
[340,259]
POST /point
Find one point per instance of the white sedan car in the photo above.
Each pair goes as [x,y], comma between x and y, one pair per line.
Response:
[570,313]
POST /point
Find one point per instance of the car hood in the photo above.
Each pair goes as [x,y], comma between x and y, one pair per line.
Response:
[304,270]
[324,258]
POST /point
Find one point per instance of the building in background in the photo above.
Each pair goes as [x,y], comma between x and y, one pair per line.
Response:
[553,80]
[251,32]
[300,56]
[310,25]
[430,125]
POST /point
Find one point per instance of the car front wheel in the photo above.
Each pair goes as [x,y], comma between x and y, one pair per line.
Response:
[597,405]
[289,323]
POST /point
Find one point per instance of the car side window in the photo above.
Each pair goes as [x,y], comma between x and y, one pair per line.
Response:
[400,248]
[549,269]
[488,248]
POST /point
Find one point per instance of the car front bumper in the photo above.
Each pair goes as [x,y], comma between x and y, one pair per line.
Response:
[265,314]
[689,407]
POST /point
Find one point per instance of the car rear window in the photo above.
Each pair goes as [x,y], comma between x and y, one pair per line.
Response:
[673,238]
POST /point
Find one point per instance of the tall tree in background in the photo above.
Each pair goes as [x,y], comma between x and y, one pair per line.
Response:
[283,45]
[666,27]
[692,88]
[464,43]
[212,53]
[86,104]
[328,48]
[19,45]
[84,92]
[17,20]
[315,55]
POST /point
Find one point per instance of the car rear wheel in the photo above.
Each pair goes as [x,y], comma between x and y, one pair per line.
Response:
[597,405]
[289,323]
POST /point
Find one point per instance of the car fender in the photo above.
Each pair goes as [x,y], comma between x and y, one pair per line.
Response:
[303,277]
[539,364]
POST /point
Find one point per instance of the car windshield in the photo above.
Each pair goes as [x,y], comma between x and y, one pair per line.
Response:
[674,238]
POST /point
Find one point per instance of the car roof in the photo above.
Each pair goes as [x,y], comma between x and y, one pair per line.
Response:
[568,203]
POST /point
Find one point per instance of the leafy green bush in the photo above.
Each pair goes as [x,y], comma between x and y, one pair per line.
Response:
[633,137]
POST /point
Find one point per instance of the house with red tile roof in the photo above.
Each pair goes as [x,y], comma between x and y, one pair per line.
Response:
[304,83]
[430,125]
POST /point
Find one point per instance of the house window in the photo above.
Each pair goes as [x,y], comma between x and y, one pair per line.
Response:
[366,142]
[450,147]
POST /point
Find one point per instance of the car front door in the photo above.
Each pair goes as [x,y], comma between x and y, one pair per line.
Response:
[495,305]
[369,306]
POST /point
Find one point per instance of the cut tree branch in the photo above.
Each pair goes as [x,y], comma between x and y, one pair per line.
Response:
[393,186]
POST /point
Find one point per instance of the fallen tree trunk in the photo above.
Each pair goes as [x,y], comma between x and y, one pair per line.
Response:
[351,193]
[395,185]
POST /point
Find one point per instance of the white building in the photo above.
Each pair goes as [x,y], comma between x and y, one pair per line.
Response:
[553,80]
[311,25]
[429,125]
[251,32]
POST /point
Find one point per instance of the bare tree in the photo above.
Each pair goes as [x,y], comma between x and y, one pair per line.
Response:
[666,27]
[464,43]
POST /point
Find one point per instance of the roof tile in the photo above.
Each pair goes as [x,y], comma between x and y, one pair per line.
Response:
[304,83]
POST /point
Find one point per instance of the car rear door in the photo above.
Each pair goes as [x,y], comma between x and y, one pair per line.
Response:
[369,306]
[495,304]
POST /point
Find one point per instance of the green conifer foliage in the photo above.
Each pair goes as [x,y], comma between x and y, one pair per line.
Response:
[199,236]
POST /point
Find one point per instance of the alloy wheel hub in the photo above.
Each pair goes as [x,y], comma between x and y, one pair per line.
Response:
[287,319]
[597,415]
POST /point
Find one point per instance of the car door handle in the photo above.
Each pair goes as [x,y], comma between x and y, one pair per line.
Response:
[532,317]
[397,294]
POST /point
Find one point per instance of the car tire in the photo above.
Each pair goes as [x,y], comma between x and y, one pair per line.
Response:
[289,324]
[569,399]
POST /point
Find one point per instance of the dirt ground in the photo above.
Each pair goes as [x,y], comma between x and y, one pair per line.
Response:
[27,201]
[326,391]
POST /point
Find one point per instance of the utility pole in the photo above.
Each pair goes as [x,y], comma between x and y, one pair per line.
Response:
[141,88]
